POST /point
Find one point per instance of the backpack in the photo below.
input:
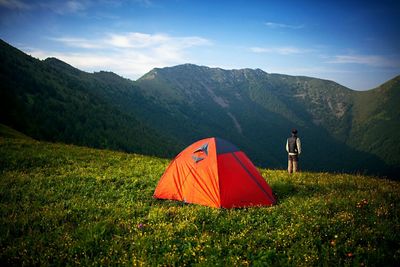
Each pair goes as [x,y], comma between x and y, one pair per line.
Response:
[292,144]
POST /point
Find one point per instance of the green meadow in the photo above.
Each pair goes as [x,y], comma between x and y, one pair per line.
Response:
[68,205]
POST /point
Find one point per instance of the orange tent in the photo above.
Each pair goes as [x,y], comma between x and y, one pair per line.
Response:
[213,172]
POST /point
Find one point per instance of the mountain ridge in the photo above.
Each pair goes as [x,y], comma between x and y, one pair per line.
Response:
[304,101]
[169,108]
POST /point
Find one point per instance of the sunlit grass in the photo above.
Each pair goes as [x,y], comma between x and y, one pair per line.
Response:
[68,205]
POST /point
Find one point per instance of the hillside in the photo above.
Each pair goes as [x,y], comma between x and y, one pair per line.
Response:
[8,132]
[69,205]
[376,121]
[167,109]
[50,100]
[256,110]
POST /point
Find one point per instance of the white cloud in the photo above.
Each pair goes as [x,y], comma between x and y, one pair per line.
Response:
[66,7]
[317,71]
[274,25]
[129,64]
[285,50]
[133,40]
[59,7]
[130,55]
[78,42]
[145,3]
[143,40]
[369,60]
[136,40]
[74,6]
[14,4]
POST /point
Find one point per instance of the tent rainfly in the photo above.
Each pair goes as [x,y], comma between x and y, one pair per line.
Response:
[215,173]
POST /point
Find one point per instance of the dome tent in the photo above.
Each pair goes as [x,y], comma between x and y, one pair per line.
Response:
[213,172]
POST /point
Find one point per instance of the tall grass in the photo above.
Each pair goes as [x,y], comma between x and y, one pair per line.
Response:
[68,205]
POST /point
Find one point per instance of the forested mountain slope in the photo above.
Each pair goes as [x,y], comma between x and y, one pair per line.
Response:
[257,110]
[169,108]
[50,100]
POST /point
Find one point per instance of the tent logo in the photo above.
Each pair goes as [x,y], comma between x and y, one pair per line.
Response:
[201,151]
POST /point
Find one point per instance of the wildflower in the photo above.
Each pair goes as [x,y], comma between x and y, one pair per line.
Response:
[362,203]
[140,226]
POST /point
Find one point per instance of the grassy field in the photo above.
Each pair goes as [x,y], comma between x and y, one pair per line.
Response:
[68,205]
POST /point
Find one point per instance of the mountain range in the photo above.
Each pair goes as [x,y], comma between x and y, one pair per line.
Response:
[169,108]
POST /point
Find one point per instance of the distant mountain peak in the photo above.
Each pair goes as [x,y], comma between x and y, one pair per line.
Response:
[57,63]
[193,69]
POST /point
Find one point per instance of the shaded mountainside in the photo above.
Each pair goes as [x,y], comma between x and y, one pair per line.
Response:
[50,100]
[256,110]
[169,108]
[376,121]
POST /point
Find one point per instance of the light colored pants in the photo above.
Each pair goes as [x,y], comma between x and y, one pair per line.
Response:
[293,166]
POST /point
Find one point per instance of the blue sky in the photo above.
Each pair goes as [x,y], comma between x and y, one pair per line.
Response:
[355,43]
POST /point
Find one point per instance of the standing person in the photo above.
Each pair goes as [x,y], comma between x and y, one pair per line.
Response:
[293,147]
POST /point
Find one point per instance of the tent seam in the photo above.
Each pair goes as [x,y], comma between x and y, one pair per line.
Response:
[252,176]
